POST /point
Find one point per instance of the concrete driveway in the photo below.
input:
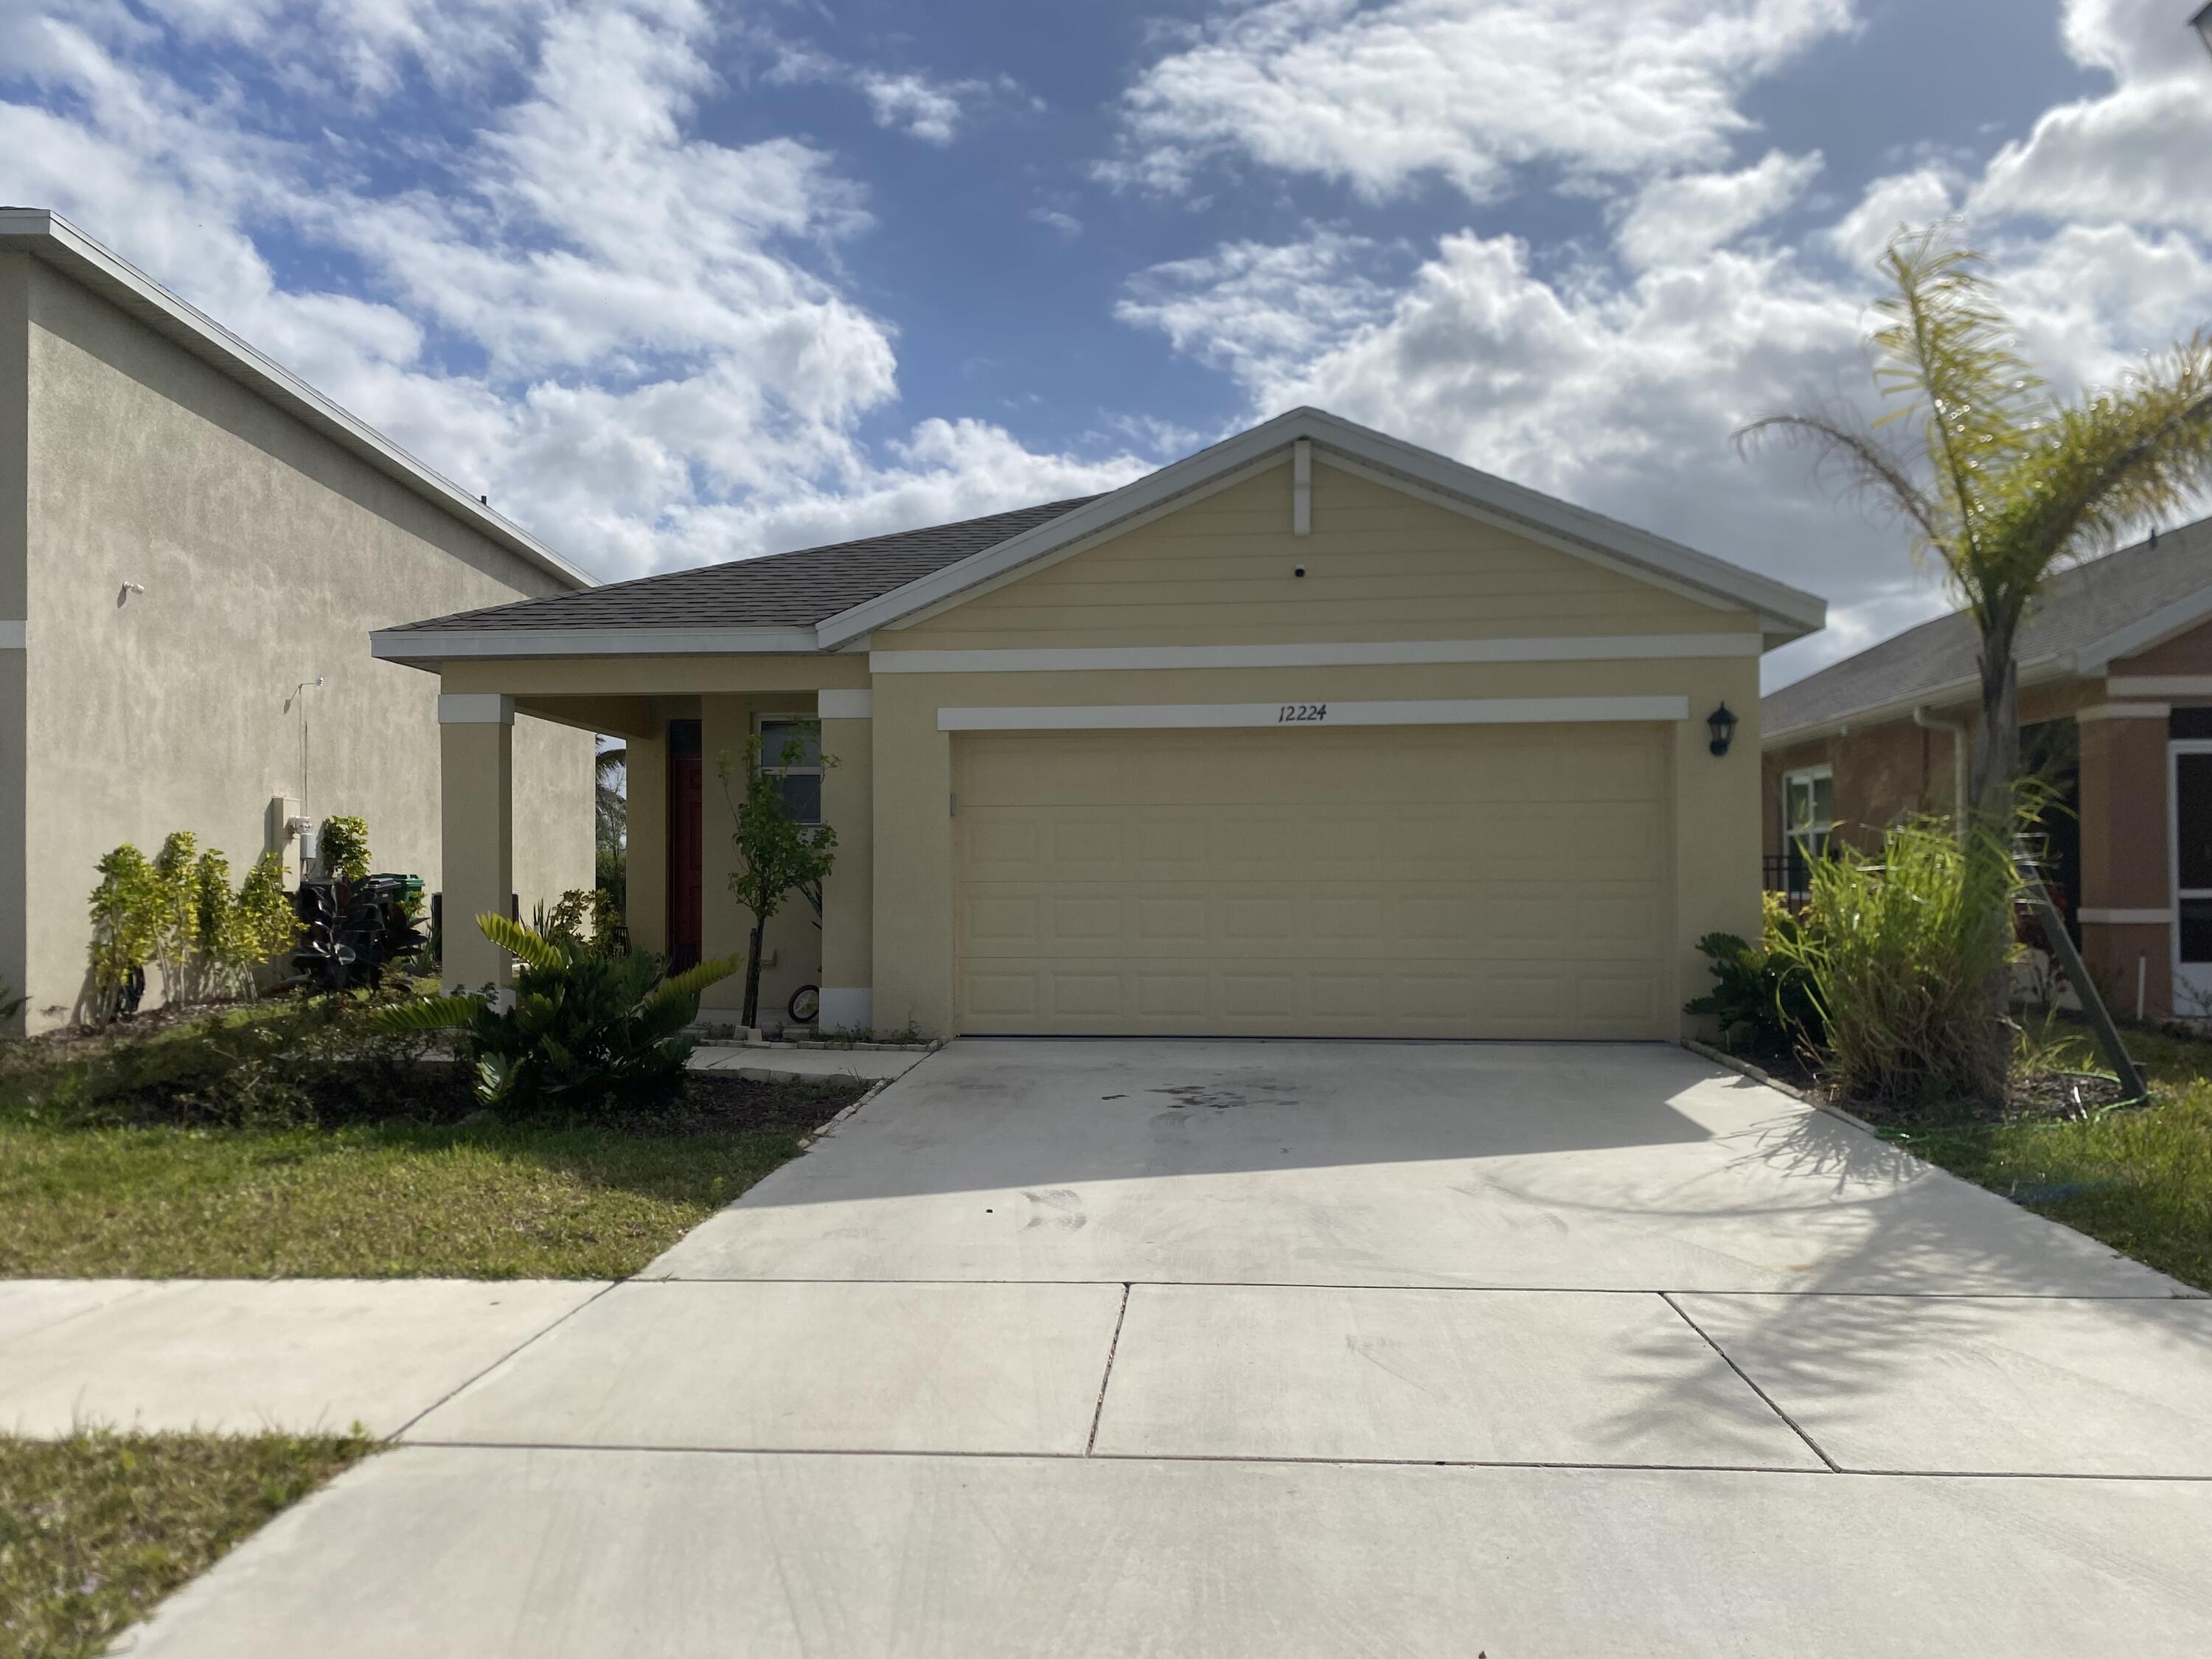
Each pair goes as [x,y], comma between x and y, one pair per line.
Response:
[1280,1348]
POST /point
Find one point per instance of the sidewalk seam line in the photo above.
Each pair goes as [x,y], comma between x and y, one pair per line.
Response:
[1795,1427]
[1112,1344]
[393,1437]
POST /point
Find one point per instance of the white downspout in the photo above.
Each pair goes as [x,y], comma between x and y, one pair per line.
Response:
[1957,729]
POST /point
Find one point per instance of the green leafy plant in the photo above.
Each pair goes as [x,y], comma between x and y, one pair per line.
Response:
[1896,954]
[263,925]
[342,848]
[126,919]
[586,1032]
[777,855]
[1762,999]
[174,938]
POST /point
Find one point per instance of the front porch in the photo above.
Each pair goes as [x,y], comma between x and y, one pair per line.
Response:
[677,717]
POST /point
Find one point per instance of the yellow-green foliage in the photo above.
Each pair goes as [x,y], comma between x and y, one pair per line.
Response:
[177,911]
[1902,955]
[343,848]
[125,919]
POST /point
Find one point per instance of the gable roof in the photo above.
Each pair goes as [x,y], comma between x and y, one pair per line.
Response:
[2091,613]
[54,242]
[811,603]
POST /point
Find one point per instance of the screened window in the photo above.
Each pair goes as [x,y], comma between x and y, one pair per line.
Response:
[791,750]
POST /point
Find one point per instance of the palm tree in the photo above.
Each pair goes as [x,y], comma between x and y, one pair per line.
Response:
[2012,481]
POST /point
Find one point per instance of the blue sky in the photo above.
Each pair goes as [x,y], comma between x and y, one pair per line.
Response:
[675,283]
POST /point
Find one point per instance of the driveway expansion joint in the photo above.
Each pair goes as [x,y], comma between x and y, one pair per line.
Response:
[395,1437]
[1112,1344]
[1798,1429]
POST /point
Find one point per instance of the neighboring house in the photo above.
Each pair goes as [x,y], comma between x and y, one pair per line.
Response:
[187,533]
[1312,732]
[2116,706]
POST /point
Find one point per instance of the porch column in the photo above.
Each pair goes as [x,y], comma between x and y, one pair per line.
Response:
[2127,866]
[476,731]
[849,806]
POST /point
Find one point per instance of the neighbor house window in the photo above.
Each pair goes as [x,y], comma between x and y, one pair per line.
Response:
[1808,810]
[802,778]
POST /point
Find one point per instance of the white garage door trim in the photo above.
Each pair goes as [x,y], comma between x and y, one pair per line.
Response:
[1453,711]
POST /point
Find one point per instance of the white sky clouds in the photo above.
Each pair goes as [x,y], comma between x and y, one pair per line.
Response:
[507,232]
[619,328]
[1380,96]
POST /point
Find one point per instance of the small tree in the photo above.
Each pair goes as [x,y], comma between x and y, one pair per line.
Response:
[172,897]
[344,848]
[213,911]
[777,855]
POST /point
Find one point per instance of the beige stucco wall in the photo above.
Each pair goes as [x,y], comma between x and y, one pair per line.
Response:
[267,555]
[1380,564]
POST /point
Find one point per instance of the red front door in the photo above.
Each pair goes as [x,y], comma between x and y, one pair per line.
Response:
[687,794]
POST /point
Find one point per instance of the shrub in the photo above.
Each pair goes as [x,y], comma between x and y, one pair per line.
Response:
[777,855]
[1762,998]
[177,911]
[1899,957]
[125,920]
[342,848]
[587,1032]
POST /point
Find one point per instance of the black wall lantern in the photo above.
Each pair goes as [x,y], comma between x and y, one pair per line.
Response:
[1721,724]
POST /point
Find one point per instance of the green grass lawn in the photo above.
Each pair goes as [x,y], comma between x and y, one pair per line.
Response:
[214,1150]
[96,1528]
[2140,1180]
[488,1201]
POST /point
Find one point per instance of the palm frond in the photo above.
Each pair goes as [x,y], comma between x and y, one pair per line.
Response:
[520,942]
[2139,451]
[1861,463]
[428,1014]
[1946,352]
[694,981]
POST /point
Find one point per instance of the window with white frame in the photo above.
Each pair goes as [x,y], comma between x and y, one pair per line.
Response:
[1808,810]
[791,750]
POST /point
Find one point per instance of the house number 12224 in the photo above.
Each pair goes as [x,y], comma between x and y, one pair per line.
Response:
[1296,713]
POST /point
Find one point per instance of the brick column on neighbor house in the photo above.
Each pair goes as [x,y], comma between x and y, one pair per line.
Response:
[2127,883]
[476,732]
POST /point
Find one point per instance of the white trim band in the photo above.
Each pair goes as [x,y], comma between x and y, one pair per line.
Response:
[2119,918]
[1461,711]
[475,709]
[15,635]
[1324,653]
[845,705]
[2122,711]
[2160,685]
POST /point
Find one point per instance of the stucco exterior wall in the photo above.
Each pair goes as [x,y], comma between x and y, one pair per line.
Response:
[267,555]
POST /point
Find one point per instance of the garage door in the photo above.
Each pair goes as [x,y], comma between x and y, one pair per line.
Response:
[1380,881]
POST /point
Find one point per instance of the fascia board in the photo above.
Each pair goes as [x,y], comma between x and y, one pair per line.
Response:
[50,239]
[451,644]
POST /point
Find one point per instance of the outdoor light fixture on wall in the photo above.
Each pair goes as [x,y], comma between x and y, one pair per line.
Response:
[1721,724]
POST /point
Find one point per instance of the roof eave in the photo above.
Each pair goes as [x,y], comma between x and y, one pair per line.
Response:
[52,240]
[429,647]
[2043,670]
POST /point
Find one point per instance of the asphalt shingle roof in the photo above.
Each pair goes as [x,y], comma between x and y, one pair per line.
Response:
[788,590]
[2082,605]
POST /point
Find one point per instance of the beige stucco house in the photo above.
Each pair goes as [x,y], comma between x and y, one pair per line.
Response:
[2115,713]
[1313,732]
[188,533]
